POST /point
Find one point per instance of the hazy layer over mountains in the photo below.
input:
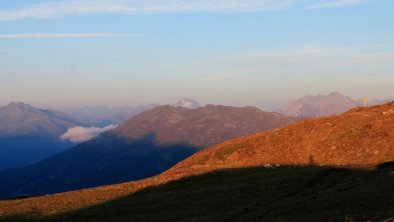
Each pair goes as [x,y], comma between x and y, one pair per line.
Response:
[143,146]
[102,116]
[29,134]
[323,105]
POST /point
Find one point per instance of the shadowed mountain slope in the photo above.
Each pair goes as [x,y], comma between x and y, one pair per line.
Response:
[143,146]
[19,119]
[360,138]
[29,134]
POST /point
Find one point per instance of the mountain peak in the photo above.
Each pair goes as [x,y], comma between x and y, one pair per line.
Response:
[19,105]
[319,105]
[187,103]
[335,94]
[19,119]
[226,121]
[324,105]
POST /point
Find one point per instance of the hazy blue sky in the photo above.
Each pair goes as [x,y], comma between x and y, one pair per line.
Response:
[235,52]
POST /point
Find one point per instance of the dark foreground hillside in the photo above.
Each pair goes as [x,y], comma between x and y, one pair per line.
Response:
[308,193]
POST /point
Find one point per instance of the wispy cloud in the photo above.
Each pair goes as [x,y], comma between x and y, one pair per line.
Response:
[65,35]
[64,8]
[336,3]
[299,62]
[83,7]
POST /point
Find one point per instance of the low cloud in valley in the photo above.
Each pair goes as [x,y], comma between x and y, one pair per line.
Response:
[81,134]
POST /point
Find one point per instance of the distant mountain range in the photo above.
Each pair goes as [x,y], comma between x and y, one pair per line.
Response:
[323,105]
[101,116]
[29,134]
[335,168]
[143,146]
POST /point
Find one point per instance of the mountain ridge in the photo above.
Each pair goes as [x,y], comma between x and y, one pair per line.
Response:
[377,122]
[225,119]
[145,145]
[17,115]
[311,106]
[29,134]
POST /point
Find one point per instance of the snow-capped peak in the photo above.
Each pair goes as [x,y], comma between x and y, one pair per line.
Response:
[187,103]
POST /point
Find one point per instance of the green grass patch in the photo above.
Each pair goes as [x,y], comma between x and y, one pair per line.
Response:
[224,152]
[202,160]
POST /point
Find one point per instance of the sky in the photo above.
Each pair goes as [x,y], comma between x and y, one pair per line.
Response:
[65,53]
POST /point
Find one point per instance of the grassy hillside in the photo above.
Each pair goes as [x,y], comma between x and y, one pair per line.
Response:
[307,193]
[361,136]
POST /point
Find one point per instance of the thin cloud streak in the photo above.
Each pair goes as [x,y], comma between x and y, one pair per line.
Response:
[337,4]
[66,35]
[302,61]
[65,8]
[74,8]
